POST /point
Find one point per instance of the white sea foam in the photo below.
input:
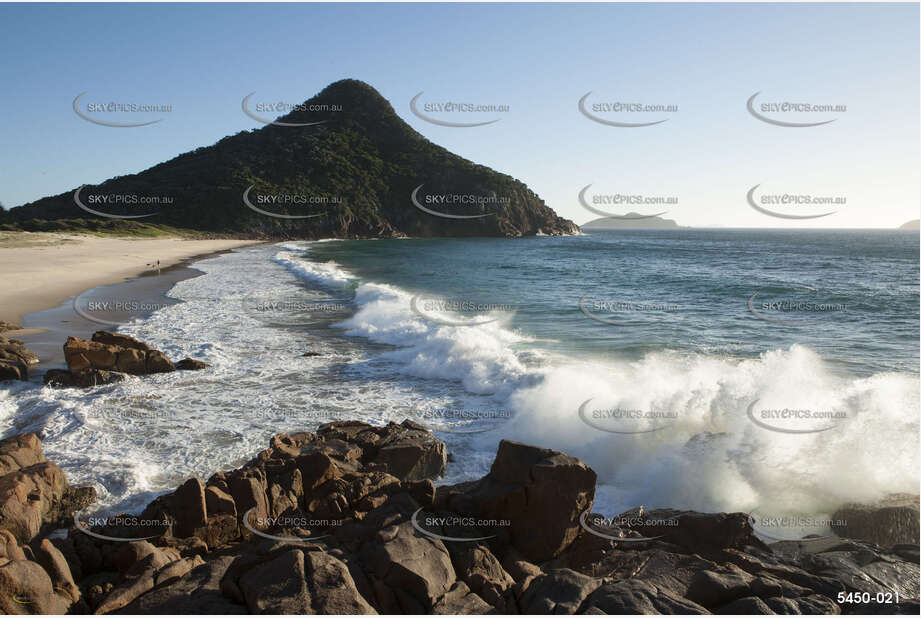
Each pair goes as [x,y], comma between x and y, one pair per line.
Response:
[385,362]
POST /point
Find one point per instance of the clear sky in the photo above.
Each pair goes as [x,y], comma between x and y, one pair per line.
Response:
[537,59]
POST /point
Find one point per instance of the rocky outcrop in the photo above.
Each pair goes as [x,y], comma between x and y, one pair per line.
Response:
[340,522]
[15,359]
[35,498]
[890,522]
[113,352]
[34,495]
[111,357]
[540,492]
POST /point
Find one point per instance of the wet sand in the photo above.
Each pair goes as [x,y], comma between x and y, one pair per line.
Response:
[41,271]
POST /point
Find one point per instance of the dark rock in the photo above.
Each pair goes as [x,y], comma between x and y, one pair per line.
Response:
[184,509]
[483,573]
[560,591]
[746,606]
[60,378]
[25,588]
[20,452]
[152,575]
[278,586]
[198,592]
[54,563]
[406,561]
[15,359]
[892,522]
[113,352]
[37,498]
[122,341]
[540,493]
[158,363]
[190,364]
[633,596]
[703,533]
[409,451]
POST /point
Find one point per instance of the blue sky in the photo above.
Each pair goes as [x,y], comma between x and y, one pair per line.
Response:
[537,59]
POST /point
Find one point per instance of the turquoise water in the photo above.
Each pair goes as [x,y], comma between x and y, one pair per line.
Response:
[660,358]
[698,282]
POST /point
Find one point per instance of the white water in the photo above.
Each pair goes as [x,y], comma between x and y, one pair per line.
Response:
[143,437]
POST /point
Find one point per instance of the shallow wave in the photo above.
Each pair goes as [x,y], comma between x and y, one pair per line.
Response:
[385,362]
[704,452]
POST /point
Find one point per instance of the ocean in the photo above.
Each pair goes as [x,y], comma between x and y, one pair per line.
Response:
[762,371]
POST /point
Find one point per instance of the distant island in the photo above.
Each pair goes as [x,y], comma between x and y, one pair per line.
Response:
[354,170]
[637,222]
[914,224]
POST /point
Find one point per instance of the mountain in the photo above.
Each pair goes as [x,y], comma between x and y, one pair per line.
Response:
[354,168]
[914,224]
[613,223]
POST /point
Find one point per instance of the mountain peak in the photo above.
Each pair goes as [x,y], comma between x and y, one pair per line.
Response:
[342,164]
[344,99]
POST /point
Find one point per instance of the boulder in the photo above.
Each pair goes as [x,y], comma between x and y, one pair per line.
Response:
[482,572]
[185,509]
[408,450]
[410,564]
[60,378]
[561,591]
[540,493]
[158,363]
[332,589]
[891,522]
[9,546]
[634,596]
[122,341]
[702,533]
[278,586]
[25,588]
[153,574]
[198,592]
[82,355]
[718,587]
[190,364]
[113,352]
[15,359]
[36,497]
[20,452]
[57,568]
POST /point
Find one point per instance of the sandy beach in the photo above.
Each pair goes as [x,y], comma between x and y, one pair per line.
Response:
[40,270]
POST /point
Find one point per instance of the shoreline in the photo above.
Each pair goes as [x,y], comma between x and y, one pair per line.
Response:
[48,269]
